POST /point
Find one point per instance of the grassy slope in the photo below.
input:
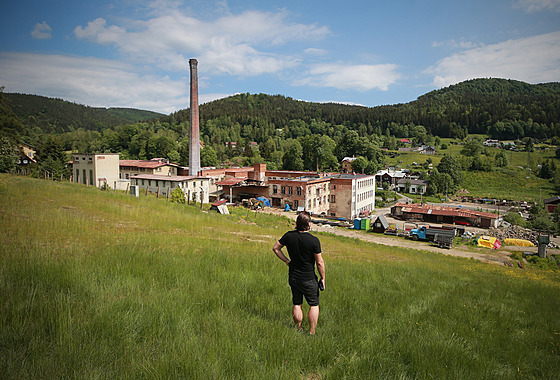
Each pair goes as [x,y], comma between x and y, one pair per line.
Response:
[100,285]
[512,183]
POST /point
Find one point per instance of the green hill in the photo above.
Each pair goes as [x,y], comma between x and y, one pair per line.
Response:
[102,285]
[505,109]
[49,115]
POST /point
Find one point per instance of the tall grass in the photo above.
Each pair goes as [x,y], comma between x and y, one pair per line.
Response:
[100,285]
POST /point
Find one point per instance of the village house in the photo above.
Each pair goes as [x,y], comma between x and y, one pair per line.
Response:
[415,186]
[96,169]
[346,165]
[550,204]
[26,154]
[391,176]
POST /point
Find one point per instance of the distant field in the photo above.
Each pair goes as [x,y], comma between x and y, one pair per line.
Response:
[508,184]
[102,285]
[515,182]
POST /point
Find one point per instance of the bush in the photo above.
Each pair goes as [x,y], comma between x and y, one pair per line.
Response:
[514,218]
[543,262]
[543,223]
[516,256]
[177,195]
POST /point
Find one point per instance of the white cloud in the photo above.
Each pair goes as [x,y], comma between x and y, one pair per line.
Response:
[351,77]
[233,44]
[532,6]
[91,81]
[462,44]
[41,31]
[533,59]
[314,51]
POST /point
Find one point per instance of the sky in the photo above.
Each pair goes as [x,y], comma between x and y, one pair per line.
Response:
[135,53]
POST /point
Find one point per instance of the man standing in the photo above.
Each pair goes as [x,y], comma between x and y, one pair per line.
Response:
[304,250]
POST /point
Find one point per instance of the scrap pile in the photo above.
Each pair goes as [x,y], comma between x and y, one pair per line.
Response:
[516,232]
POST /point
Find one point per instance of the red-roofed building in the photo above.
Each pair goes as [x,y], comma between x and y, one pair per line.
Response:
[159,166]
[445,214]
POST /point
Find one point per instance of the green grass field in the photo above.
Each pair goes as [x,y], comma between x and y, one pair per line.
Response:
[98,285]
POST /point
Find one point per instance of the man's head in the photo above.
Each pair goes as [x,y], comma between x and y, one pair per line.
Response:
[302,222]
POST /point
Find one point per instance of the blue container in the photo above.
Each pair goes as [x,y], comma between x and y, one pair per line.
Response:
[357,224]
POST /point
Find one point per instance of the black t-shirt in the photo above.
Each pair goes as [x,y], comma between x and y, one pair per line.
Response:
[302,247]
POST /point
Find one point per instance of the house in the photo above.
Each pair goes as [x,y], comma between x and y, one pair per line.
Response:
[390,176]
[550,204]
[96,169]
[346,165]
[26,154]
[405,141]
[193,187]
[415,186]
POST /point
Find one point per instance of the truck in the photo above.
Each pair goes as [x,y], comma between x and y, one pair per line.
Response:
[443,237]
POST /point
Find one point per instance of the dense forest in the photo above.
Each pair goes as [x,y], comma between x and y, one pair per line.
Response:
[46,115]
[284,128]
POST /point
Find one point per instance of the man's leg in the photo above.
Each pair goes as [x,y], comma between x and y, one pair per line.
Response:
[297,313]
[313,317]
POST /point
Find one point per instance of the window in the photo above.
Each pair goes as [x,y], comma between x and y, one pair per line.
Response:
[274,189]
[298,191]
[333,198]
[290,190]
[283,189]
[334,187]
[296,204]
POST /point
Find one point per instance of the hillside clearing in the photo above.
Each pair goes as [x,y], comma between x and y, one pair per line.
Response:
[94,285]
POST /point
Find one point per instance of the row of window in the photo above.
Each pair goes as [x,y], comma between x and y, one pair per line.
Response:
[365,183]
[284,188]
[366,195]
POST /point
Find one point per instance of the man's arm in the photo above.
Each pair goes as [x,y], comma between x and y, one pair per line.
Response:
[277,249]
[320,267]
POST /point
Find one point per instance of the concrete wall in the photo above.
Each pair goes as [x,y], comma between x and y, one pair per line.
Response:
[96,169]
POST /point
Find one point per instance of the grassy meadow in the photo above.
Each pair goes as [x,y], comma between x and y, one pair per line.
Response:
[100,285]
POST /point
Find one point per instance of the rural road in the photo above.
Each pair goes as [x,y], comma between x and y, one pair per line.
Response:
[478,253]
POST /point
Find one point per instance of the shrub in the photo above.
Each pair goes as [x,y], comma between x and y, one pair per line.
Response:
[513,217]
[177,195]
[516,256]
[543,262]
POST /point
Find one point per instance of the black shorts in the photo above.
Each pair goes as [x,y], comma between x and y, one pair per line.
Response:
[309,289]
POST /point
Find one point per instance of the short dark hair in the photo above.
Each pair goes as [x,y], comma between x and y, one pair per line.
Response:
[302,222]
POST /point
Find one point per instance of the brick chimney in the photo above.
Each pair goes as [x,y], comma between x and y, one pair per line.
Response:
[194,141]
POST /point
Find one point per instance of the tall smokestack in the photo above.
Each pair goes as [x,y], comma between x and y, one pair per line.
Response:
[194,148]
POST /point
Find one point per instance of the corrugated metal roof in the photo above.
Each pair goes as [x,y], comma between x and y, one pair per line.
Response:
[231,181]
[159,177]
[145,164]
[444,211]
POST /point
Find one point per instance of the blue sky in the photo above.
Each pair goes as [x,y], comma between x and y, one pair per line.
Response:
[134,53]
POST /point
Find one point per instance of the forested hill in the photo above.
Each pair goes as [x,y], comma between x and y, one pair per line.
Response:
[505,109]
[58,116]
